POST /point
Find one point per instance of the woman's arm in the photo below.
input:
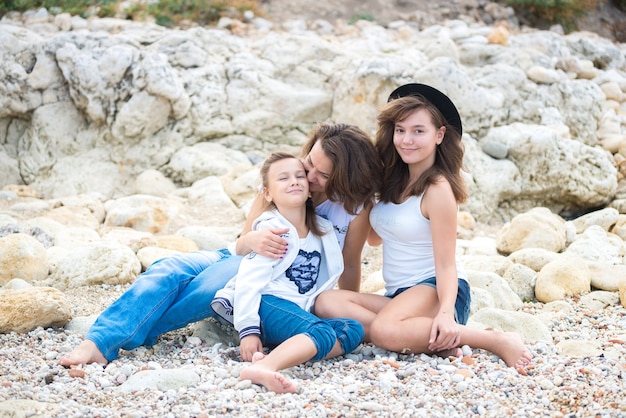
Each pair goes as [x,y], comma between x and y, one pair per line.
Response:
[265,242]
[357,234]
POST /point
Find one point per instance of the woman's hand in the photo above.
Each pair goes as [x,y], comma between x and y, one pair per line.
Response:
[444,333]
[267,242]
[250,345]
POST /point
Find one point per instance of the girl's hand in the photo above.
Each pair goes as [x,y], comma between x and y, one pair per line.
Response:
[268,242]
[250,345]
[444,333]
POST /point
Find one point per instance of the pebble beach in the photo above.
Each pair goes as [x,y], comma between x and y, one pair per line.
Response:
[579,372]
[182,376]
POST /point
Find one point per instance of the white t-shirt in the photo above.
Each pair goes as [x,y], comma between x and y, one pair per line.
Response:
[337,215]
[299,281]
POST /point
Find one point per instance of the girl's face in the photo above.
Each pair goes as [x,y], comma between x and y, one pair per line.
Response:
[318,167]
[416,138]
[287,185]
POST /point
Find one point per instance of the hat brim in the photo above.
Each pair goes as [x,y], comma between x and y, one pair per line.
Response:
[434,96]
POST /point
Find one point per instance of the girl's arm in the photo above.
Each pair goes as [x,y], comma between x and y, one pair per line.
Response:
[356,236]
[265,242]
[440,206]
[255,272]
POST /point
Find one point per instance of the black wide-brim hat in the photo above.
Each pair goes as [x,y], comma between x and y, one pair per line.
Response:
[434,96]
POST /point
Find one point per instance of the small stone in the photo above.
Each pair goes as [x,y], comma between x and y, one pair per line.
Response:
[77,373]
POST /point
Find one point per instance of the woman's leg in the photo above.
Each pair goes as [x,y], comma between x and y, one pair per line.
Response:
[193,302]
[128,320]
[362,307]
[404,326]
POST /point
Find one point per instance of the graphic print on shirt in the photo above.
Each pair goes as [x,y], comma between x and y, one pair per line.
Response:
[305,269]
[338,230]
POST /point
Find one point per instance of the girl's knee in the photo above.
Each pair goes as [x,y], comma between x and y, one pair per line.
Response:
[378,331]
[324,304]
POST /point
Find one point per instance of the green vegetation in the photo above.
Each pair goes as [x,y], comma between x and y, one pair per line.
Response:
[82,8]
[203,12]
[563,12]
[169,13]
[361,16]
[166,12]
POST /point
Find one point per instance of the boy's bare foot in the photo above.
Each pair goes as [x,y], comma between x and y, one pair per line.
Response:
[271,380]
[86,353]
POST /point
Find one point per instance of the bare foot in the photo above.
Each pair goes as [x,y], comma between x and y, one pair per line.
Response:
[86,353]
[271,380]
[513,351]
[257,356]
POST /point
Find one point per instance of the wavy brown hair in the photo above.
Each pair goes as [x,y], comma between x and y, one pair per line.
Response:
[356,175]
[448,156]
[311,219]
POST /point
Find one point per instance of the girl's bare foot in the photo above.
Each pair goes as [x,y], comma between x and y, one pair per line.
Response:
[86,353]
[513,351]
[271,380]
[257,356]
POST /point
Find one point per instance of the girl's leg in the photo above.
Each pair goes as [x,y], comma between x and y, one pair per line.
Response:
[509,346]
[404,326]
[291,352]
[362,307]
[299,336]
[193,302]
[127,321]
[349,334]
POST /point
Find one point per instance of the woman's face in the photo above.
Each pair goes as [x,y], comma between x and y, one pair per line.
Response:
[416,138]
[318,167]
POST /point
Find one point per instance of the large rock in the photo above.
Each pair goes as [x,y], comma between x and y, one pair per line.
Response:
[99,263]
[22,257]
[528,326]
[91,104]
[565,276]
[22,310]
[537,228]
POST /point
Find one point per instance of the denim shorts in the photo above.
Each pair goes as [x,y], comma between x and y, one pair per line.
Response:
[463,298]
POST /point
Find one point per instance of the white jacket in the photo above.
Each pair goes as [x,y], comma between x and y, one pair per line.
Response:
[257,273]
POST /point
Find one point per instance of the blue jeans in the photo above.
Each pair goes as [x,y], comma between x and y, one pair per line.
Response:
[282,319]
[171,293]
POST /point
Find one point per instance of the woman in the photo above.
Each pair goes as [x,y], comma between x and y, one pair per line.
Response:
[343,171]
[269,301]
[427,299]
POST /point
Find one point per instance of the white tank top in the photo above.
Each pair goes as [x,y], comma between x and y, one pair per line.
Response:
[407,243]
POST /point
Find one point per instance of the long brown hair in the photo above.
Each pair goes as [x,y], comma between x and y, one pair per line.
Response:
[311,218]
[448,156]
[356,175]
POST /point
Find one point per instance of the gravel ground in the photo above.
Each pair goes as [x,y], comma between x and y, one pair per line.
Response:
[369,382]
